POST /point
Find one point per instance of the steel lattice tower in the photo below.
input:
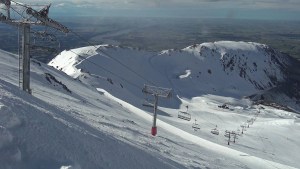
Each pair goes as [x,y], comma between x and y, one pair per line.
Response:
[29,17]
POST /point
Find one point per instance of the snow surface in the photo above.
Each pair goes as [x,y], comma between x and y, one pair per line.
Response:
[186,74]
[98,122]
[244,158]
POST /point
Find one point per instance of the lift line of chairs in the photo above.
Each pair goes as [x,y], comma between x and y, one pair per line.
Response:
[183,115]
[187,116]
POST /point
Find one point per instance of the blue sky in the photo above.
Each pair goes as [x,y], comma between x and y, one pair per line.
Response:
[250,9]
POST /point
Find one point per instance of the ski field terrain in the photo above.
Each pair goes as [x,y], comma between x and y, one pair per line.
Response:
[86,109]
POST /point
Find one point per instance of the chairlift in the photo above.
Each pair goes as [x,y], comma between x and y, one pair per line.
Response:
[244,126]
[234,135]
[250,122]
[195,126]
[247,125]
[184,115]
[215,131]
[227,133]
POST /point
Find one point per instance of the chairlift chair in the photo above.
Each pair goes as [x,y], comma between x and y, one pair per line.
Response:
[227,133]
[184,115]
[195,126]
[215,131]
[244,126]
[250,122]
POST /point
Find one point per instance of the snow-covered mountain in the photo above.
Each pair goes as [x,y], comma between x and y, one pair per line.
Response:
[235,69]
[87,113]
[50,129]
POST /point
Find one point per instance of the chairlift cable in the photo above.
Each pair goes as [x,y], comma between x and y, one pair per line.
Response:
[20,4]
[39,5]
[103,53]
[116,60]
[135,85]
[24,5]
[17,12]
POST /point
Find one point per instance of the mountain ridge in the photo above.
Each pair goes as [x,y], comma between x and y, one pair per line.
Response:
[243,68]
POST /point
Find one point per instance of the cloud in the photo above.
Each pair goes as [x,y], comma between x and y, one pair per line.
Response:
[60,5]
[253,9]
[168,4]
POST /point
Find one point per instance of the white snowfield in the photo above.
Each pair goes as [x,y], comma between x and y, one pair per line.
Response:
[91,118]
[244,158]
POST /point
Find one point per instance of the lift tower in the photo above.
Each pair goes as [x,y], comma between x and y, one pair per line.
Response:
[28,17]
[156,92]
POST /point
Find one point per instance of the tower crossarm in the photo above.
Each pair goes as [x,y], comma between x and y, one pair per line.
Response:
[5,19]
[42,16]
[158,91]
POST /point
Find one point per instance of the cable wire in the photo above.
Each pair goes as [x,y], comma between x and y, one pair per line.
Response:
[135,85]
[18,12]
[102,52]
[116,60]
[24,5]
[20,4]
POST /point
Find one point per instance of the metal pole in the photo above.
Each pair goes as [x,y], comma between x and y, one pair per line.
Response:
[154,128]
[8,3]
[19,53]
[26,57]
[25,23]
[234,137]
[8,12]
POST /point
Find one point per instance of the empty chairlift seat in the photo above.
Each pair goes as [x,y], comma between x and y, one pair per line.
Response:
[215,131]
[184,115]
[196,126]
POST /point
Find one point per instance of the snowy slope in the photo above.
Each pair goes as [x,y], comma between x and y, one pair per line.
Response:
[225,71]
[224,68]
[94,121]
[49,129]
